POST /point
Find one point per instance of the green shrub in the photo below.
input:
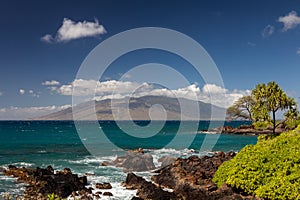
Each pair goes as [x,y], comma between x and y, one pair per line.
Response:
[53,197]
[270,169]
[261,125]
[292,123]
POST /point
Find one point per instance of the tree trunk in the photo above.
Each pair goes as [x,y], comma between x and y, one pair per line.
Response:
[274,122]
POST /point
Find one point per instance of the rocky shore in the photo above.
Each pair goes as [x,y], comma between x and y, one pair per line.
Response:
[44,182]
[181,178]
[189,178]
[243,130]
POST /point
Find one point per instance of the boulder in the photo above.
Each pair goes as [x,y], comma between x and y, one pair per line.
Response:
[103,186]
[166,160]
[134,160]
[107,194]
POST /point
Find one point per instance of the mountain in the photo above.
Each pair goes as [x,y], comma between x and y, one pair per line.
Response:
[141,108]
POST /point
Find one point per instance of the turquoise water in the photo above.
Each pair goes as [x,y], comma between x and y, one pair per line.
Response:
[57,143]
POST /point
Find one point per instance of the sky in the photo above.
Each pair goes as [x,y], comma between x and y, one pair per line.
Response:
[44,43]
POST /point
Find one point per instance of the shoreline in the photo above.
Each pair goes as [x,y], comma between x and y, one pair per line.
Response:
[159,186]
[241,130]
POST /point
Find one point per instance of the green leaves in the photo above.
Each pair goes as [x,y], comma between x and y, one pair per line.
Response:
[269,99]
[241,109]
[262,105]
[269,169]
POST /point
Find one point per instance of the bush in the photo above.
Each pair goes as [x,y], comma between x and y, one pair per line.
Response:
[261,125]
[269,169]
[292,123]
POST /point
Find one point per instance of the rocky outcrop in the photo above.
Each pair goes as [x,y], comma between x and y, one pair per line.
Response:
[42,182]
[243,130]
[133,161]
[189,178]
[145,189]
[166,160]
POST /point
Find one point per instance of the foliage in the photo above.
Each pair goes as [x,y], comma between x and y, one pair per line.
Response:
[271,98]
[261,125]
[292,123]
[241,109]
[261,107]
[292,119]
[53,197]
[269,169]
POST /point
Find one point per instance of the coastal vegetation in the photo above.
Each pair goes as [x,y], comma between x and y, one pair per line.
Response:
[261,107]
[269,169]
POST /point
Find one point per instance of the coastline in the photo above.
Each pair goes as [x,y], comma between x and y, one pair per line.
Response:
[242,130]
[167,182]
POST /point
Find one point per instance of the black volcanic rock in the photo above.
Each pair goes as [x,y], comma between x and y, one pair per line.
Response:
[133,161]
[146,190]
[189,178]
[42,182]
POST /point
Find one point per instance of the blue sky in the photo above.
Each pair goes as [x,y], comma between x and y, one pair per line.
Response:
[250,41]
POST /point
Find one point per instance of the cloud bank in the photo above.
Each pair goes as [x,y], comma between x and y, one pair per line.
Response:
[209,93]
[21,113]
[71,30]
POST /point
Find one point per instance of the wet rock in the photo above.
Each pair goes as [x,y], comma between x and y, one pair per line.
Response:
[133,161]
[166,160]
[107,194]
[133,181]
[146,190]
[191,178]
[45,181]
[103,186]
[136,198]
[138,162]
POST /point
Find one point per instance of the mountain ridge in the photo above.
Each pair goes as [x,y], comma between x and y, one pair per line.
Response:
[140,108]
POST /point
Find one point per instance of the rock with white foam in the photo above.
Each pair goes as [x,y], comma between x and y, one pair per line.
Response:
[133,161]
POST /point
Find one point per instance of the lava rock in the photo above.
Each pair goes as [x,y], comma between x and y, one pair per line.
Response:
[42,182]
[103,186]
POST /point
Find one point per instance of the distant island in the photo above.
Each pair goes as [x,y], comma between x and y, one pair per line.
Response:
[139,110]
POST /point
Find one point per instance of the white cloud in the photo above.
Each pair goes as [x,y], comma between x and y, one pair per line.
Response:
[210,93]
[71,30]
[89,87]
[47,38]
[213,89]
[21,113]
[289,21]
[51,83]
[268,31]
[30,92]
[21,91]
[298,51]
[34,94]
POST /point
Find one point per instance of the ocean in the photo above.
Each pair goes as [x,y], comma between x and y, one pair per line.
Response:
[82,147]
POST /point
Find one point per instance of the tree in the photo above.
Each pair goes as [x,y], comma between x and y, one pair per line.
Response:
[268,100]
[241,109]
